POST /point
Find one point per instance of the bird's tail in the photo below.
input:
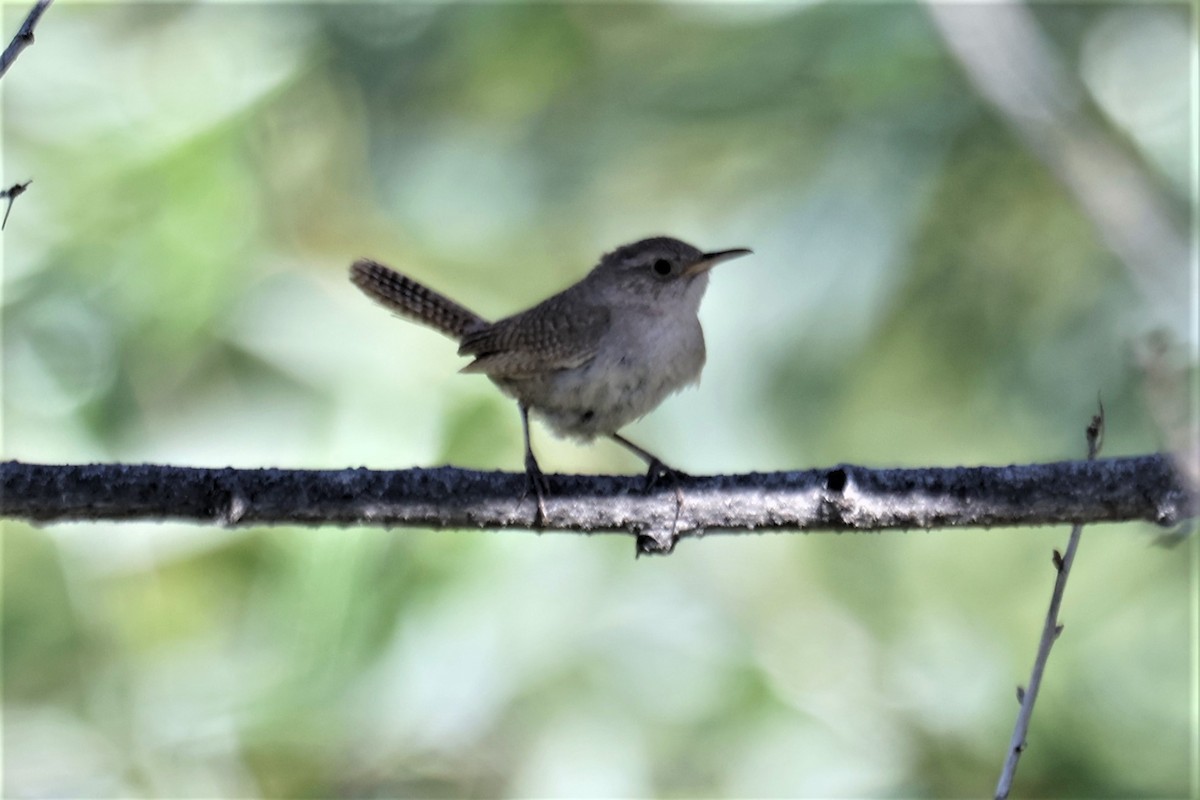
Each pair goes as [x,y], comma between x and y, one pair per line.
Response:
[415,301]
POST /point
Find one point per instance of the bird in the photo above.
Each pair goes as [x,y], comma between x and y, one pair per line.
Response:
[588,360]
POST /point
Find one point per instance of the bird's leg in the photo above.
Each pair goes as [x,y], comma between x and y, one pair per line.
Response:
[534,479]
[657,468]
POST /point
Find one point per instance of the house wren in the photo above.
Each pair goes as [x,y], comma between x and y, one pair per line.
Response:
[592,358]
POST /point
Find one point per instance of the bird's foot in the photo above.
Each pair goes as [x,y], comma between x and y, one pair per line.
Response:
[535,481]
[659,471]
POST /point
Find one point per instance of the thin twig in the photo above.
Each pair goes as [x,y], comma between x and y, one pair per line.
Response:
[11,194]
[843,498]
[1050,631]
[24,36]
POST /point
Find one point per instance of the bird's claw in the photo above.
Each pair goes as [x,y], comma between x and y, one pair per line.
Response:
[659,470]
[535,480]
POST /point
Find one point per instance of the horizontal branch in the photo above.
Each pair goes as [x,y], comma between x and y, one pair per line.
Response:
[844,498]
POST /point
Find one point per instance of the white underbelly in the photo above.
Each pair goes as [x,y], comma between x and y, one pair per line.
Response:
[612,391]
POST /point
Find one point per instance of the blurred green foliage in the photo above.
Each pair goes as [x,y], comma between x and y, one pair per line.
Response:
[923,292]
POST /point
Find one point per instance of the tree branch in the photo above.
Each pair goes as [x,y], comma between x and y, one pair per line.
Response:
[24,36]
[844,498]
[11,194]
[1050,632]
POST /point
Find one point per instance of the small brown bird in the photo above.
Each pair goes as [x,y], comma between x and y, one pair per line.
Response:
[590,359]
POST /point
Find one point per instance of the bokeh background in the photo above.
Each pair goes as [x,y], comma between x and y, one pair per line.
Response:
[933,284]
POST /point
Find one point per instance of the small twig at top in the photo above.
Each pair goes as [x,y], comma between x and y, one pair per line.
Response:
[1062,562]
[24,36]
[12,193]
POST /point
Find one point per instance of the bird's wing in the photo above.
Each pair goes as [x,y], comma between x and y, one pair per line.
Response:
[555,334]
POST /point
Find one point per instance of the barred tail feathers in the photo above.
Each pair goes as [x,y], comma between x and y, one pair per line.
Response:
[413,300]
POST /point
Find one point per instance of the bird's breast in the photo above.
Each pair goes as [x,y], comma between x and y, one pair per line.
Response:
[640,361]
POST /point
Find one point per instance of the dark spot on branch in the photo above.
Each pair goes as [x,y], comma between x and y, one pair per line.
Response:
[835,480]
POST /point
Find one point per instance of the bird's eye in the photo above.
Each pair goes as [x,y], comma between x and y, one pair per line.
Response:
[662,267]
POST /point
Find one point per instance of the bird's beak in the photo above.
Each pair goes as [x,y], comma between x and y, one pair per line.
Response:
[710,260]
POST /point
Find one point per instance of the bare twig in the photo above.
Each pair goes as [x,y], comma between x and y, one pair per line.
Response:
[11,194]
[24,36]
[1027,696]
[844,498]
